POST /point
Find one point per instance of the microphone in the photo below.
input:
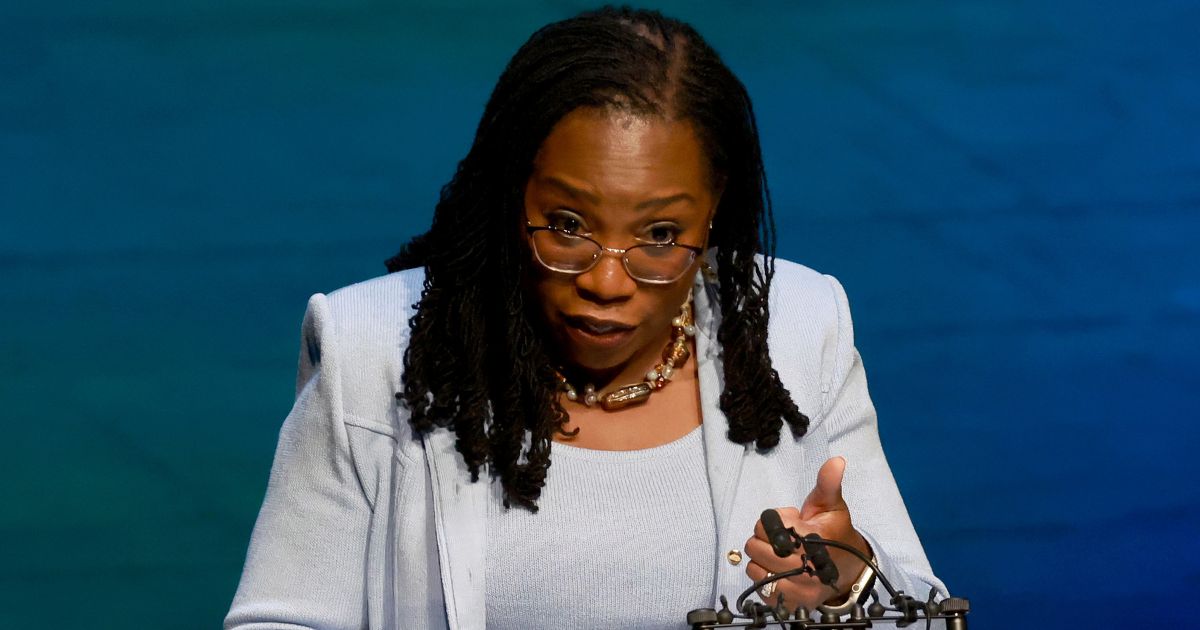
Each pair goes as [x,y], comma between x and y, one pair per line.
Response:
[781,539]
[823,566]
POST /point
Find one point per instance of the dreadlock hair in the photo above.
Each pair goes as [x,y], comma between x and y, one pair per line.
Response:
[475,362]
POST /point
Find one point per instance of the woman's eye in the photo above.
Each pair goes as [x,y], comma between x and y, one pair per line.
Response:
[662,234]
[566,223]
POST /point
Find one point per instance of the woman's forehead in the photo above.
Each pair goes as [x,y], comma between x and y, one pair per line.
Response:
[620,157]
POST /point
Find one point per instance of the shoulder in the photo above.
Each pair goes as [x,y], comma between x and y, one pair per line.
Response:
[360,332]
[805,302]
[376,309]
[809,329]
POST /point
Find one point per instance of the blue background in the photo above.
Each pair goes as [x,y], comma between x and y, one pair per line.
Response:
[1010,192]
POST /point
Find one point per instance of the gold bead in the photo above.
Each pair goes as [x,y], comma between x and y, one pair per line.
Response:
[626,396]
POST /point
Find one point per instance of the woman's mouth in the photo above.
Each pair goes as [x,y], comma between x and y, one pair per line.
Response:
[596,332]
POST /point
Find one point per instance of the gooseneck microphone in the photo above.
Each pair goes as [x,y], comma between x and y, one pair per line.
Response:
[902,611]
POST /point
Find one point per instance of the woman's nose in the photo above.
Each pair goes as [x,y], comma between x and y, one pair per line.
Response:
[607,281]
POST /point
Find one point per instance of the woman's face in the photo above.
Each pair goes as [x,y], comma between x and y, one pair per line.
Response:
[621,180]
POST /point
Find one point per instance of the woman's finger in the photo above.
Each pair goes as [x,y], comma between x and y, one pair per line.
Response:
[763,554]
[757,572]
[789,516]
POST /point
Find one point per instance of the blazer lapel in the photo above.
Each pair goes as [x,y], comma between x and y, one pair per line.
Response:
[723,458]
[460,519]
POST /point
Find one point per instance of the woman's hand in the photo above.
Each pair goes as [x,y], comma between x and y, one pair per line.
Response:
[824,513]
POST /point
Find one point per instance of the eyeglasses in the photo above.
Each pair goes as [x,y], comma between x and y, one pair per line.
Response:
[652,263]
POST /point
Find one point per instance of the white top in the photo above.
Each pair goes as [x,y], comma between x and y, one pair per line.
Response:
[366,525]
[641,556]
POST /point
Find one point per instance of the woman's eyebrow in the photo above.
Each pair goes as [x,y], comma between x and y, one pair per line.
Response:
[578,193]
[572,191]
[662,202]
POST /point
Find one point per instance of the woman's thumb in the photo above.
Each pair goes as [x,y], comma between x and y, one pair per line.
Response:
[827,494]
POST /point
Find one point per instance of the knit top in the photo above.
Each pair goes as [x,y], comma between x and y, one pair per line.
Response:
[622,539]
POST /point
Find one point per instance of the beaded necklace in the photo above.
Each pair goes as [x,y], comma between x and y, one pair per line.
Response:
[673,357]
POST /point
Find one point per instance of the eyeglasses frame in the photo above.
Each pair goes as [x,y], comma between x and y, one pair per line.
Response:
[530,229]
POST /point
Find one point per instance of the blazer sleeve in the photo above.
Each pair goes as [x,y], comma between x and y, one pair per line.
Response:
[306,564]
[849,422]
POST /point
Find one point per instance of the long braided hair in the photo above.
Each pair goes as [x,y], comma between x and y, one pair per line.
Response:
[475,362]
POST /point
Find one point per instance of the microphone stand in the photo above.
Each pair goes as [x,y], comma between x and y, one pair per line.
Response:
[816,561]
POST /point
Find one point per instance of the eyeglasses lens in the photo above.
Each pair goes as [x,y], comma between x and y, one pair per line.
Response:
[561,252]
[648,263]
[658,263]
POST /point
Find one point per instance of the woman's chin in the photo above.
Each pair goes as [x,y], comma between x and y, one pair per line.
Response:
[597,365]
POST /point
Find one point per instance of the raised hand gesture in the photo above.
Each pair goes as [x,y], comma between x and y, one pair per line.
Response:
[824,513]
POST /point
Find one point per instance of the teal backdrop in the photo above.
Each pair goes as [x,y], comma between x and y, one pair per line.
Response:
[1010,192]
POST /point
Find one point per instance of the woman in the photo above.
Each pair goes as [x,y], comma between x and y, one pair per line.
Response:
[591,293]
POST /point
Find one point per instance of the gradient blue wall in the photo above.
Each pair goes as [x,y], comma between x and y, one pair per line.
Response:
[1010,192]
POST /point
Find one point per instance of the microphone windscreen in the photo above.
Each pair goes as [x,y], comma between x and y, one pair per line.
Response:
[780,538]
[818,555]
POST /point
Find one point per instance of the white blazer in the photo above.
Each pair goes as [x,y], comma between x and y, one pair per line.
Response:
[364,526]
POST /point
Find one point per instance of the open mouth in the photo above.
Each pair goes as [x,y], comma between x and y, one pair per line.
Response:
[598,333]
[595,326]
